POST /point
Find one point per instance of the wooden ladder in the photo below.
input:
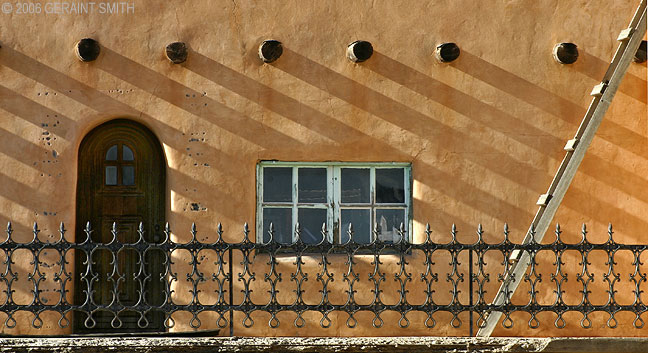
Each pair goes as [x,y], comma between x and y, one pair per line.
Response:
[603,93]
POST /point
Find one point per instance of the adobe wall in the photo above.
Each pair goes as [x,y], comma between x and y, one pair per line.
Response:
[484,134]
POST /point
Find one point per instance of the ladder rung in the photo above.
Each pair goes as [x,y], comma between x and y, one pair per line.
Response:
[625,34]
[543,200]
[570,146]
[598,90]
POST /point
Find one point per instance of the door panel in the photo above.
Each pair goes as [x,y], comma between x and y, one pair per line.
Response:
[121,180]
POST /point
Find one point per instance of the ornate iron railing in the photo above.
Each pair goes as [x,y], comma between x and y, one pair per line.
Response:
[115,285]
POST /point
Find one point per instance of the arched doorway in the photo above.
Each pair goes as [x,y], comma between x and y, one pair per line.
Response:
[121,180]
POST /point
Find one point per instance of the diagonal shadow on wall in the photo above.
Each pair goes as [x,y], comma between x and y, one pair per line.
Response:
[594,68]
[616,134]
[520,88]
[605,171]
[94,99]
[175,93]
[78,91]
[296,111]
[463,103]
[444,182]
[278,102]
[28,110]
[378,105]
[17,148]
[546,100]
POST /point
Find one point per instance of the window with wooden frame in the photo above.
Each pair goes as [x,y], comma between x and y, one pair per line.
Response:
[119,166]
[336,193]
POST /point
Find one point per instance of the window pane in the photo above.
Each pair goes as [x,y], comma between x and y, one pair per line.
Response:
[388,222]
[355,185]
[277,184]
[281,218]
[310,221]
[361,225]
[111,155]
[390,185]
[128,154]
[128,175]
[111,175]
[312,185]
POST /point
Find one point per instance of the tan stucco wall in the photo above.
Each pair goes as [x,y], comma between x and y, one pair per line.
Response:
[484,134]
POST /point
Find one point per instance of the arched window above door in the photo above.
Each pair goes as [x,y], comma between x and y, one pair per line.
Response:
[119,166]
[111,155]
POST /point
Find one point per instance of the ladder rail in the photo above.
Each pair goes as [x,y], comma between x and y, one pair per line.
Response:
[576,148]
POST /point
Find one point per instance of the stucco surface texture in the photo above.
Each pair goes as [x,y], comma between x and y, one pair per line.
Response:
[323,344]
[484,134]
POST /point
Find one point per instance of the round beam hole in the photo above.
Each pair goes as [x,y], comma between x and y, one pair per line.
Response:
[359,51]
[565,53]
[176,52]
[270,50]
[447,52]
[640,55]
[87,49]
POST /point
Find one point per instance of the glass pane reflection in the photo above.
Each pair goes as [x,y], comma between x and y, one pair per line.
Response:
[361,220]
[277,184]
[111,175]
[310,221]
[128,154]
[355,185]
[388,222]
[390,185]
[128,175]
[312,185]
[281,218]
[111,155]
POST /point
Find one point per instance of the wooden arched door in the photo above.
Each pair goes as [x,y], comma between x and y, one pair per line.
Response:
[121,180]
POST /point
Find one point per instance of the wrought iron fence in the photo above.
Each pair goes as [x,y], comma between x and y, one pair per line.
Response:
[117,284]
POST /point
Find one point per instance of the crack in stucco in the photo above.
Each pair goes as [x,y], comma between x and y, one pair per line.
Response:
[147,104]
[236,24]
[177,26]
[423,148]
[262,121]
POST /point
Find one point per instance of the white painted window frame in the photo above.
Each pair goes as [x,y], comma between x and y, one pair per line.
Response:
[334,205]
